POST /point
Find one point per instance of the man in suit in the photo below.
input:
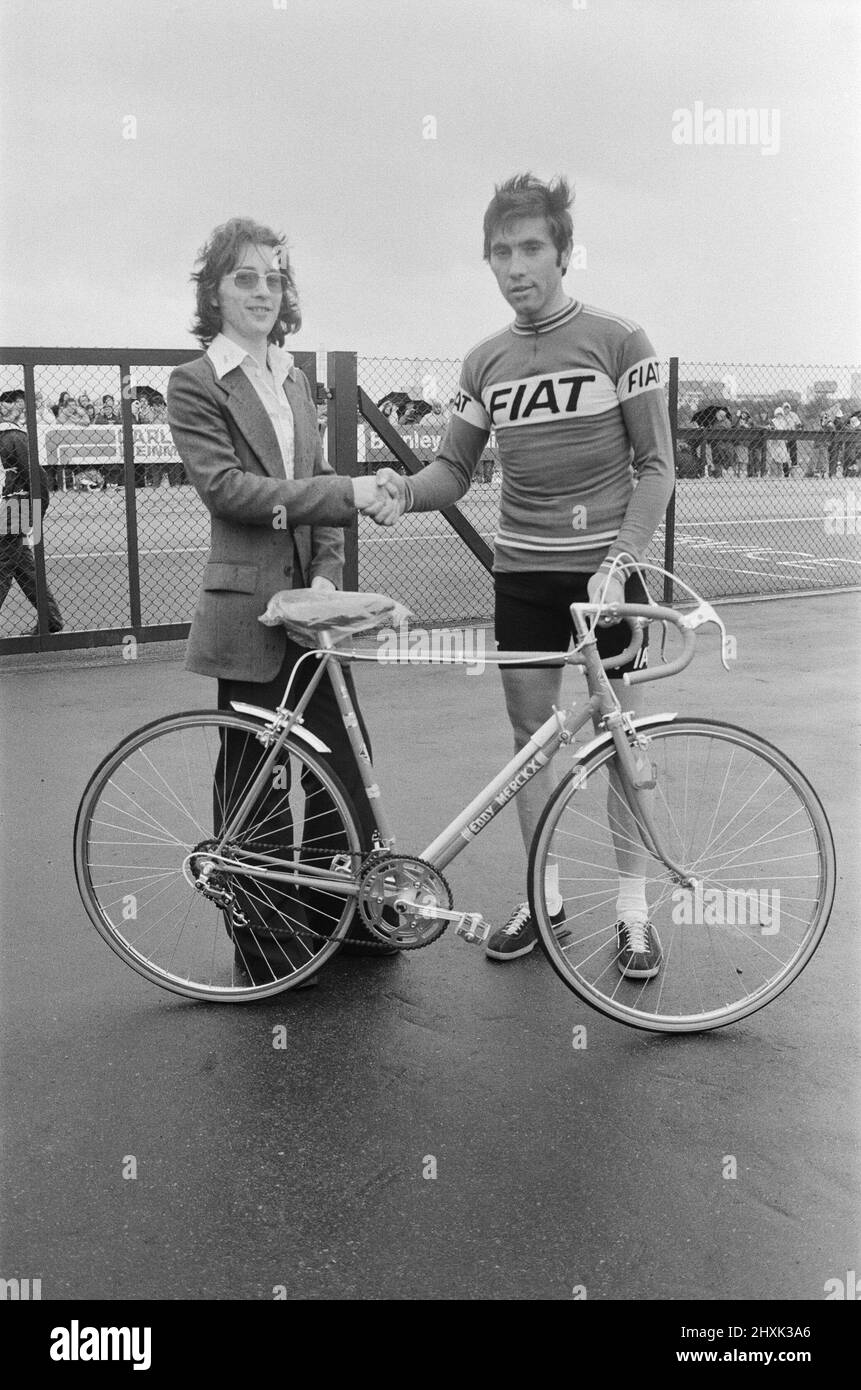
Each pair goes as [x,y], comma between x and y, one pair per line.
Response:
[20,511]
[245,426]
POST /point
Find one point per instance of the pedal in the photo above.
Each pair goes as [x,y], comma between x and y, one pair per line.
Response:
[473,928]
[470,925]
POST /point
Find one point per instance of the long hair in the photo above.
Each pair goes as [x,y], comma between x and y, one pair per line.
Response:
[218,257]
[524,195]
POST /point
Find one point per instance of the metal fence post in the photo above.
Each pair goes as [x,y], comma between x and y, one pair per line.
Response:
[670,520]
[131,496]
[343,453]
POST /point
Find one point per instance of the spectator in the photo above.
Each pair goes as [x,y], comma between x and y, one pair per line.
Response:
[69,412]
[757,449]
[704,419]
[112,474]
[141,415]
[108,413]
[792,423]
[413,412]
[778,452]
[852,446]
[153,411]
[88,408]
[15,409]
[743,428]
[697,447]
[723,451]
[16,554]
[145,412]
[834,425]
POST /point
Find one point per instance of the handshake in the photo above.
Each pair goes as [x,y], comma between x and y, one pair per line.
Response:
[383,497]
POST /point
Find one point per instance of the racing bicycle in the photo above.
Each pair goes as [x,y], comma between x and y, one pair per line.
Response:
[201,823]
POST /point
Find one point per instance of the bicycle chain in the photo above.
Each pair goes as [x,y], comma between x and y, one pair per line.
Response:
[366,857]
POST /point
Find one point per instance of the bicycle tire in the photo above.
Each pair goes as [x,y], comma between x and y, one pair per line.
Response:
[587,961]
[162,840]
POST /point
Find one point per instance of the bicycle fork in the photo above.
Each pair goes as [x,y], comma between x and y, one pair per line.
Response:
[639,778]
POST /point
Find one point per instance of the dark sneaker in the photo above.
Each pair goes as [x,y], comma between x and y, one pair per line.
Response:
[518,936]
[638,950]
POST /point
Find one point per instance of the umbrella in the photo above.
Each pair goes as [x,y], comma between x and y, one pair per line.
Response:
[707,414]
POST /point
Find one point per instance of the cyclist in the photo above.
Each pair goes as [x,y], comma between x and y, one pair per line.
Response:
[574,396]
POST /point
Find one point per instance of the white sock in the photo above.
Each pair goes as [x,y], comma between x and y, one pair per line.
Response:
[631,903]
[552,896]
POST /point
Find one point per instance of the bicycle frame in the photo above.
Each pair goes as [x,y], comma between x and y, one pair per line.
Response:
[602,707]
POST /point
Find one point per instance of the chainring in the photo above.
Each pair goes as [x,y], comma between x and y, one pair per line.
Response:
[387,878]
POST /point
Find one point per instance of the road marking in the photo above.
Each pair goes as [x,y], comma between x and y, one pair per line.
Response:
[112,554]
[753,521]
[422,536]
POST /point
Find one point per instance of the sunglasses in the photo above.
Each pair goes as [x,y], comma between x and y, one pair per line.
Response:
[249,280]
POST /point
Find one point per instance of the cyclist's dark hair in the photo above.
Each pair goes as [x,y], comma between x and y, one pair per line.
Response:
[524,195]
[218,257]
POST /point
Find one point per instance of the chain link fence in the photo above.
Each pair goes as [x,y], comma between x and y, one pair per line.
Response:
[767,460]
[767,467]
[424,563]
[95,529]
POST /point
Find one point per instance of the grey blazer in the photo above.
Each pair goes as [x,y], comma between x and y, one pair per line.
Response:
[226,441]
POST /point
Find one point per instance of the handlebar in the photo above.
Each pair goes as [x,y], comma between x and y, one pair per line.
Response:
[650,612]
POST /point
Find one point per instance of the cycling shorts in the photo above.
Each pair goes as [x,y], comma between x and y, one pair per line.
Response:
[531,614]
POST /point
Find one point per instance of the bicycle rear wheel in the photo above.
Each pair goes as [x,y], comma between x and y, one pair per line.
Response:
[153,811]
[736,814]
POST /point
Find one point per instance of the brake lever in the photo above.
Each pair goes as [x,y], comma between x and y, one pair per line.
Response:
[704,613]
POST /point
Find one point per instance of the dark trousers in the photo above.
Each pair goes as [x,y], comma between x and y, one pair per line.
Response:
[17,562]
[756,460]
[268,906]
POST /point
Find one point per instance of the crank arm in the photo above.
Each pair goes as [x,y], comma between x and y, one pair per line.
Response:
[470,925]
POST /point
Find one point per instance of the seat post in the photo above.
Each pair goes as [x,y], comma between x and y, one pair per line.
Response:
[357,743]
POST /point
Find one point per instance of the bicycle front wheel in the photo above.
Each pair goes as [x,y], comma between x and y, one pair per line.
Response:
[147,840]
[737,816]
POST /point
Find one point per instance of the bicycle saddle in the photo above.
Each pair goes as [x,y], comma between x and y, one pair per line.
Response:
[306,613]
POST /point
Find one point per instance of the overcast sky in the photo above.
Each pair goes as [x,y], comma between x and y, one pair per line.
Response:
[311,115]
